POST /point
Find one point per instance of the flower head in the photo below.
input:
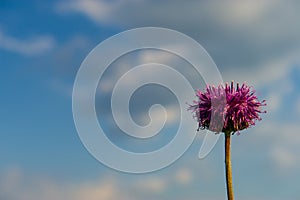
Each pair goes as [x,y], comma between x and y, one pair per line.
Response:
[227,109]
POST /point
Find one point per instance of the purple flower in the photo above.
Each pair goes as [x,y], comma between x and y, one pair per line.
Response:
[227,109]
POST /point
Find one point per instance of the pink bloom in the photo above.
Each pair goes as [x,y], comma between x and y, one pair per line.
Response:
[227,109]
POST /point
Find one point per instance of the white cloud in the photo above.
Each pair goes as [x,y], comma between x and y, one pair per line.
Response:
[16,185]
[103,11]
[123,65]
[157,56]
[159,184]
[99,11]
[281,141]
[31,46]
[278,85]
[10,180]
[242,11]
[279,133]
[172,115]
[101,190]
[242,36]
[273,71]
[152,184]
[274,101]
[284,158]
[183,176]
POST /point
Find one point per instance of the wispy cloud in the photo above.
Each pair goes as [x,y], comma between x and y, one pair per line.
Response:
[99,11]
[281,141]
[284,159]
[184,176]
[14,184]
[29,47]
[153,184]
[240,36]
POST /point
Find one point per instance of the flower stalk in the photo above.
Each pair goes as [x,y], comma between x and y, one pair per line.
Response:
[228,170]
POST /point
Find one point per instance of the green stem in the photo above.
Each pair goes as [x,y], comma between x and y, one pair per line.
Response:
[228,167]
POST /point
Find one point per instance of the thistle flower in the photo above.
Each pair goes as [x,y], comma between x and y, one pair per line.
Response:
[227,109]
[237,107]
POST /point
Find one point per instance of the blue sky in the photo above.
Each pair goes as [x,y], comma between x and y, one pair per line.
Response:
[42,44]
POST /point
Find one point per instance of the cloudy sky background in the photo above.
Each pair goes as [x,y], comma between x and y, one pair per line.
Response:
[42,44]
